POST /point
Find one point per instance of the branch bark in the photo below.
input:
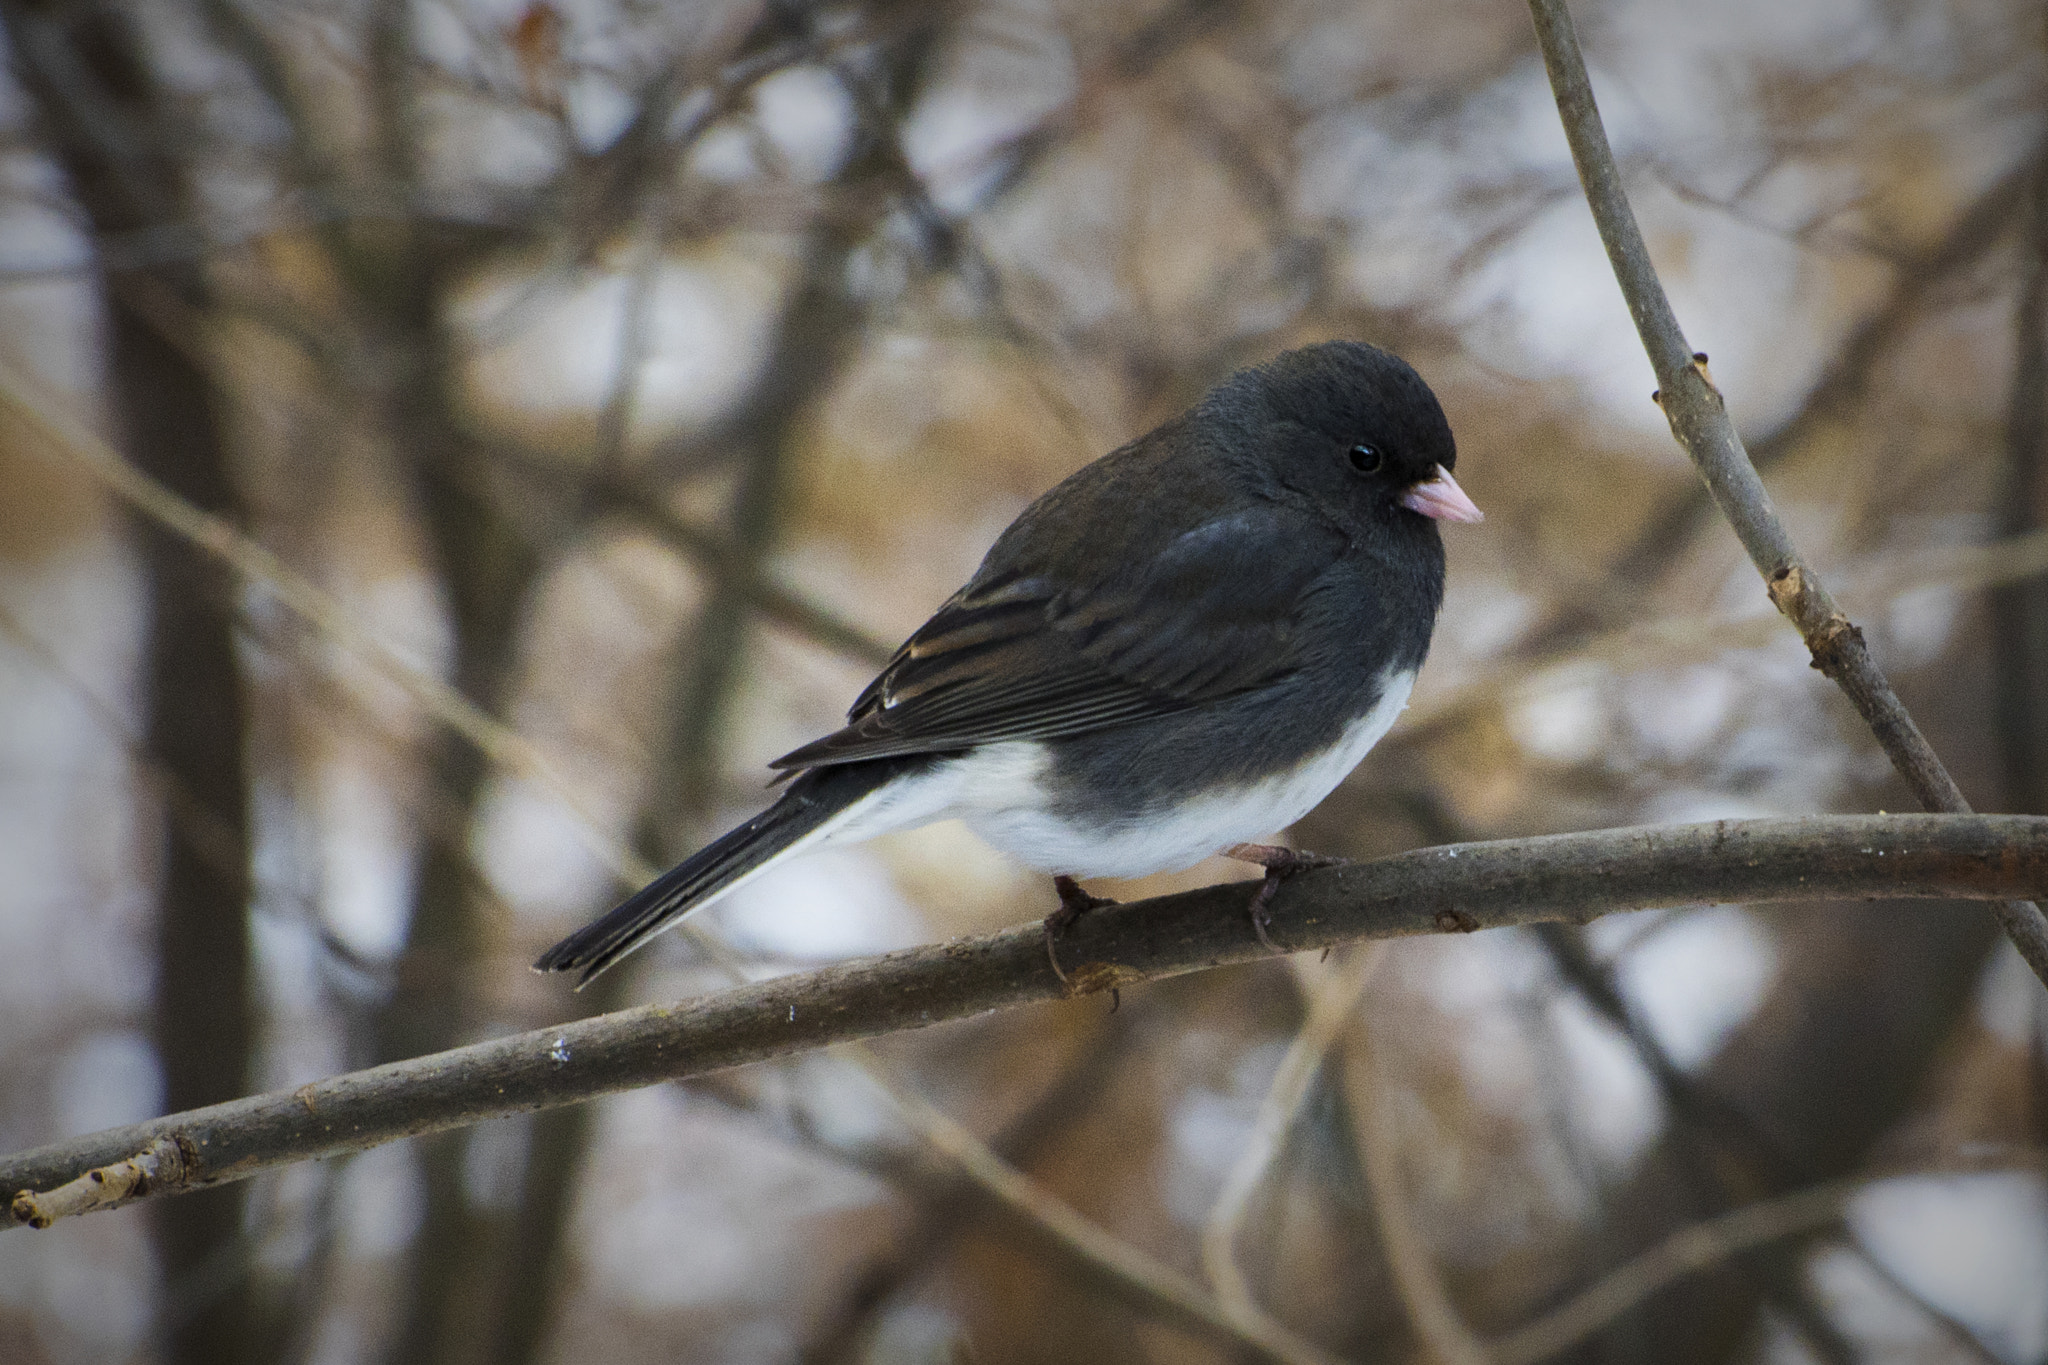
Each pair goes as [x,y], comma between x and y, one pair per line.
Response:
[1699,420]
[1456,888]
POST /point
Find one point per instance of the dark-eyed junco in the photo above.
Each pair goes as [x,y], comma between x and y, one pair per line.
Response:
[1184,646]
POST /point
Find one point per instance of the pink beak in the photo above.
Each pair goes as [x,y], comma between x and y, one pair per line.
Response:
[1440,497]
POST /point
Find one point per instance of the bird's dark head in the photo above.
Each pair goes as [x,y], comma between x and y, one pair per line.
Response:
[1351,426]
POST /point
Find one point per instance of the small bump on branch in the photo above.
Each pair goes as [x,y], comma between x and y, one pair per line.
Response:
[1699,422]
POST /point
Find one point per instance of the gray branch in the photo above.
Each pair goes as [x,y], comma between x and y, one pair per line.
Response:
[1453,888]
[1699,419]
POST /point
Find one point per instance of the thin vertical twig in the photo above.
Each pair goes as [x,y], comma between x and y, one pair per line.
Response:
[1431,1313]
[2019,610]
[1699,420]
[1331,998]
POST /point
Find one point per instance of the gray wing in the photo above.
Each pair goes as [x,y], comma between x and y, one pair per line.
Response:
[1019,654]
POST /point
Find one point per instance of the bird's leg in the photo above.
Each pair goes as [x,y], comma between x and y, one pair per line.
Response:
[1074,903]
[1280,864]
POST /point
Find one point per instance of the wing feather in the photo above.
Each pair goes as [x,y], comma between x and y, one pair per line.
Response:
[1018,654]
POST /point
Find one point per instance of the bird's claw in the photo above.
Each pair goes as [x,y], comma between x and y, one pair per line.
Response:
[1074,903]
[1280,864]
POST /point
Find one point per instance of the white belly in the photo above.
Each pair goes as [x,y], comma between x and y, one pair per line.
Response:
[997,791]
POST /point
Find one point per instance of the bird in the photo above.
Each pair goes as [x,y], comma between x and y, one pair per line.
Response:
[1181,647]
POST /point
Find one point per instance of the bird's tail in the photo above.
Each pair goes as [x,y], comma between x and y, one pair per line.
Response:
[807,812]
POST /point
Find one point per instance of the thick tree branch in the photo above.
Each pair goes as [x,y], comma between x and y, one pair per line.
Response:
[1456,888]
[1699,420]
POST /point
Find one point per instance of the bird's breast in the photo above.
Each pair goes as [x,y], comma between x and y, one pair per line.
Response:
[1010,795]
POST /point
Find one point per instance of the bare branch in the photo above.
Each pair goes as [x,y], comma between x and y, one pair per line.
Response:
[1699,420]
[1842,384]
[260,567]
[1455,888]
[102,1187]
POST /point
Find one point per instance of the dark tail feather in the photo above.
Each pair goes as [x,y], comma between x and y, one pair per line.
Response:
[812,800]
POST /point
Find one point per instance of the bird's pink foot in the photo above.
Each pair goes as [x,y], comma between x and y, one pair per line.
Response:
[1280,864]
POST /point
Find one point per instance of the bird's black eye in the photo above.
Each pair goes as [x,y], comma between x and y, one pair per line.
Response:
[1367,459]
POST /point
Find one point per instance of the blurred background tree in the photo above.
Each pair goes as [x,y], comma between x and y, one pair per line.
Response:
[646,370]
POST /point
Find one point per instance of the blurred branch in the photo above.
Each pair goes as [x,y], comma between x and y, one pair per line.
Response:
[1721,1157]
[1673,640]
[1687,1252]
[400,285]
[537,1271]
[949,242]
[1139,1275]
[1729,1156]
[550,501]
[672,112]
[719,555]
[89,74]
[259,567]
[1699,420]
[1833,397]
[1010,161]
[1330,1002]
[984,1180]
[204,828]
[1860,1018]
[544,493]
[635,339]
[816,334]
[1430,1311]
[2019,611]
[947,1208]
[1459,888]
[207,831]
